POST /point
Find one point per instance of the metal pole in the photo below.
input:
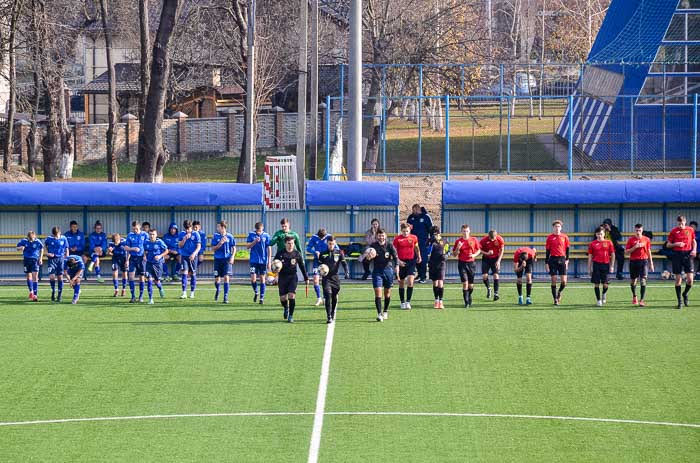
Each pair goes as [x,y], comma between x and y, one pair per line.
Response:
[355,81]
[342,89]
[631,135]
[447,137]
[420,116]
[695,136]
[570,162]
[508,138]
[500,117]
[301,98]
[250,97]
[663,122]
[314,90]
[383,134]
[328,138]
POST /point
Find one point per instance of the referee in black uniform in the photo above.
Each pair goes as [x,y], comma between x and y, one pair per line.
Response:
[287,282]
[333,258]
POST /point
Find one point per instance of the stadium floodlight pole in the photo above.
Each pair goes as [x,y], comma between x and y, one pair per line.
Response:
[250,96]
[695,136]
[313,78]
[355,91]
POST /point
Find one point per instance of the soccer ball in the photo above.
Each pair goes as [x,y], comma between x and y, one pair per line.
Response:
[276,265]
[270,279]
[370,253]
[323,270]
[665,275]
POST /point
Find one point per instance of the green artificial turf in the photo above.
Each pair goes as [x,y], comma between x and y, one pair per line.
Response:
[107,358]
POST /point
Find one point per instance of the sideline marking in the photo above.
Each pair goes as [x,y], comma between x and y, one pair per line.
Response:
[315,444]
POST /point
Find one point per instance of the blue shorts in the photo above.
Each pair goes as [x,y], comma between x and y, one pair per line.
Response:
[136,265]
[56,265]
[119,263]
[72,272]
[31,265]
[258,269]
[222,267]
[187,265]
[383,278]
[154,270]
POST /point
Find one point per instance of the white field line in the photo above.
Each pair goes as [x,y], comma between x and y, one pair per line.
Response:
[366,413]
[315,444]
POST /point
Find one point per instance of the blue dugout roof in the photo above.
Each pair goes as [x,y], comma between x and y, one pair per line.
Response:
[571,192]
[325,193]
[130,194]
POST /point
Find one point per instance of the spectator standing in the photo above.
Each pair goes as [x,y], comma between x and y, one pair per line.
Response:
[421,223]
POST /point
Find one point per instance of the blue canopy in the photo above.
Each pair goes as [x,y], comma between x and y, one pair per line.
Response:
[129,194]
[325,193]
[571,192]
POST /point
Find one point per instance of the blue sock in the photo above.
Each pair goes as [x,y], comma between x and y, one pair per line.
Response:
[132,289]
[193,282]
[217,285]
[225,290]
[254,284]
[97,270]
[76,291]
[123,283]
[115,283]
[35,286]
[30,286]
[140,289]
[53,285]
[150,289]
[317,288]
[60,286]
[184,282]
[262,290]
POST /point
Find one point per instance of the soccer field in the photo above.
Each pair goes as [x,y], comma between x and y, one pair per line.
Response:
[196,381]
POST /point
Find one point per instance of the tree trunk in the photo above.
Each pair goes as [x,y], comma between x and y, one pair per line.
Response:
[152,157]
[112,101]
[370,126]
[145,57]
[65,167]
[9,148]
[35,143]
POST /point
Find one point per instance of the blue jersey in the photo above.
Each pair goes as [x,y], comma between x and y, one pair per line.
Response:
[258,253]
[191,244]
[76,240]
[136,240]
[317,244]
[79,260]
[170,241]
[118,248]
[226,249]
[32,249]
[97,240]
[56,246]
[203,240]
[154,249]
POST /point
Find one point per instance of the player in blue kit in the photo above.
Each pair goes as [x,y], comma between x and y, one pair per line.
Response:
[316,246]
[171,267]
[97,247]
[197,227]
[156,250]
[189,244]
[120,258]
[224,246]
[76,239]
[75,268]
[259,244]
[33,254]
[134,246]
[56,252]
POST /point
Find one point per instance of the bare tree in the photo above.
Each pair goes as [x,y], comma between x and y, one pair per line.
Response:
[9,142]
[152,157]
[145,42]
[112,173]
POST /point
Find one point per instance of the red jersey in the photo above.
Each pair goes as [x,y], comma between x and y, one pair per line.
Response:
[531,253]
[496,245]
[468,247]
[557,245]
[601,251]
[682,235]
[406,246]
[642,253]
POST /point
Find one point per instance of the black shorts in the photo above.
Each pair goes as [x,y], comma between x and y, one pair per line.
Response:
[527,269]
[56,265]
[681,262]
[136,265]
[31,265]
[557,265]
[638,268]
[408,269]
[331,285]
[437,272]
[600,273]
[287,284]
[119,263]
[188,266]
[154,270]
[488,264]
[222,267]
[466,271]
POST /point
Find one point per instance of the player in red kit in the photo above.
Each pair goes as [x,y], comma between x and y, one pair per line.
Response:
[408,252]
[523,260]
[492,249]
[682,242]
[601,258]
[639,249]
[467,250]
[557,258]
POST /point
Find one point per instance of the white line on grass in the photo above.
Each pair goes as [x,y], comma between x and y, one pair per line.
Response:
[315,444]
[415,414]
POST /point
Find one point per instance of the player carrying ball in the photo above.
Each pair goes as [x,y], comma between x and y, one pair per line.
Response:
[291,259]
[557,259]
[601,261]
[383,255]
[639,249]
[332,258]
